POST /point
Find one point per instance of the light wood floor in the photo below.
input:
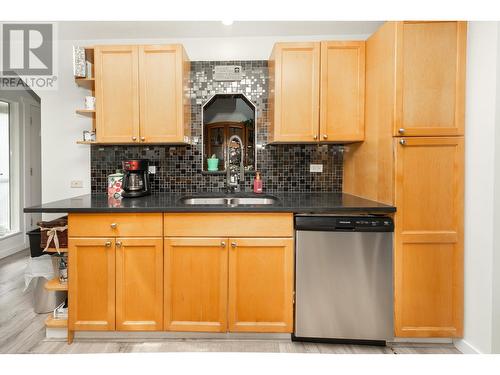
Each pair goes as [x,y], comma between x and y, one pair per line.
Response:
[23,331]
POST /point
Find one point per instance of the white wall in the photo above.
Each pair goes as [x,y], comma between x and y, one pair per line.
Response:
[482,95]
[62,159]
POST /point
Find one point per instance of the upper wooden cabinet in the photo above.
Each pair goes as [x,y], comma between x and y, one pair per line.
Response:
[294,93]
[317,92]
[163,71]
[429,237]
[430,78]
[117,93]
[342,91]
[140,94]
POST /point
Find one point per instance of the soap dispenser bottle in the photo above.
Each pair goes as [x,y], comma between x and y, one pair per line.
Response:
[257,183]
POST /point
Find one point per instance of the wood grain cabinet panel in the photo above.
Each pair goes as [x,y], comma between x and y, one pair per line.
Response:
[91,286]
[161,93]
[139,284]
[342,91]
[261,285]
[117,94]
[429,237]
[196,284]
[430,78]
[115,225]
[294,96]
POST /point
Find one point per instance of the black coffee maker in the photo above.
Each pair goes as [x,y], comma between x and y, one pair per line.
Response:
[136,178]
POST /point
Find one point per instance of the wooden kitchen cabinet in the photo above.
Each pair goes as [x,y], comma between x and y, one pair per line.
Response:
[430,78]
[115,272]
[429,237]
[91,286]
[317,92]
[140,94]
[294,92]
[342,98]
[163,72]
[196,284]
[117,94]
[139,284]
[261,285]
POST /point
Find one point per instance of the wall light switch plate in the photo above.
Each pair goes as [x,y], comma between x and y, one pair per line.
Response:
[152,169]
[76,184]
[315,168]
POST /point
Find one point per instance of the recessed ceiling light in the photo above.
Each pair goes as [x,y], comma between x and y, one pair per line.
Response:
[227,22]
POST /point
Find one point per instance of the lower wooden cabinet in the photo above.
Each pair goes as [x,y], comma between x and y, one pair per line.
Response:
[139,284]
[196,284]
[428,256]
[261,285]
[115,283]
[91,284]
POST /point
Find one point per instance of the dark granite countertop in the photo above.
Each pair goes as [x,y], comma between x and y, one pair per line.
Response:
[170,202]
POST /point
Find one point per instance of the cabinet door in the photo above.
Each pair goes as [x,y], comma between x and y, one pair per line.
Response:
[261,285]
[295,92]
[91,285]
[139,284]
[161,93]
[429,237]
[342,91]
[430,78]
[196,284]
[117,94]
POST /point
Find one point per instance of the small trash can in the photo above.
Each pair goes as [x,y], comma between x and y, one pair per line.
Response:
[35,239]
[38,271]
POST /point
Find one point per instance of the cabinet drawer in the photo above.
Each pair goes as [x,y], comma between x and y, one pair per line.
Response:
[228,225]
[114,225]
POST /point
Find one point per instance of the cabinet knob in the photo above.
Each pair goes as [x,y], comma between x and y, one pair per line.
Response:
[315,137]
[233,244]
[401,130]
[325,136]
[114,225]
[134,138]
[118,244]
[108,244]
[143,139]
[222,244]
[402,142]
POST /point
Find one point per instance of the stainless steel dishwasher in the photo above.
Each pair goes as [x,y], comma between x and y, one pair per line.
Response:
[343,279]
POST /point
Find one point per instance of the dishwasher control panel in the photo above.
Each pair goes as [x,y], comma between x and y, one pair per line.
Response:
[345,223]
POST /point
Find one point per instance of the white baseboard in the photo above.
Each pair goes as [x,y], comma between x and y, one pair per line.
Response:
[4,253]
[465,347]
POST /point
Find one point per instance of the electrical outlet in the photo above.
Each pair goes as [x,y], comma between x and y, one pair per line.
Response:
[315,168]
[152,169]
[77,184]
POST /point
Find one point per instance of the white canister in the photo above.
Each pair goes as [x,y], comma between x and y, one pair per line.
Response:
[89,102]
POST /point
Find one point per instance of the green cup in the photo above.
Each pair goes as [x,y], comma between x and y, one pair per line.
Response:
[213,164]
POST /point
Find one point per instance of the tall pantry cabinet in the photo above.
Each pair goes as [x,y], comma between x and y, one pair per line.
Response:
[413,157]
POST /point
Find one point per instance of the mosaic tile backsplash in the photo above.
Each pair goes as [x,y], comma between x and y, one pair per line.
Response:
[178,168]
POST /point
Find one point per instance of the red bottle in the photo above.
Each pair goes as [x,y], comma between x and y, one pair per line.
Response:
[257,184]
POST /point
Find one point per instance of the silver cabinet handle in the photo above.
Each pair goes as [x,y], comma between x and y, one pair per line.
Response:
[222,244]
[233,244]
[402,142]
[401,130]
[325,136]
[118,244]
[108,244]
[134,138]
[315,137]
[114,225]
[143,139]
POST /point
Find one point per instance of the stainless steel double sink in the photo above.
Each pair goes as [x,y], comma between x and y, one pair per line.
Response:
[229,201]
